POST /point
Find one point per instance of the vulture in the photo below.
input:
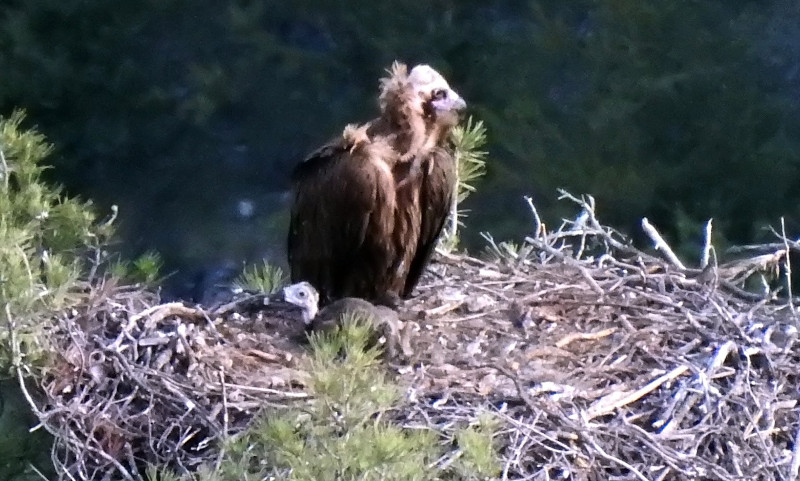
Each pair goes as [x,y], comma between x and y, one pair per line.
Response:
[369,206]
[293,312]
[384,321]
[279,313]
[306,297]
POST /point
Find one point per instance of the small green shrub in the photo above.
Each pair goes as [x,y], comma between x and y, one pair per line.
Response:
[263,278]
[478,458]
[468,139]
[343,432]
[144,269]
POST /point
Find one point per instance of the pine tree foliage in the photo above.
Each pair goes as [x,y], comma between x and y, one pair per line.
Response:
[468,140]
[478,458]
[43,237]
[263,278]
[144,269]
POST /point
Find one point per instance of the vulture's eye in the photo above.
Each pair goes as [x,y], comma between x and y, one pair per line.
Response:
[302,294]
[439,94]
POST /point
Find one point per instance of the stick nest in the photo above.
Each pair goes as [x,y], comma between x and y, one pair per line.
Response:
[603,362]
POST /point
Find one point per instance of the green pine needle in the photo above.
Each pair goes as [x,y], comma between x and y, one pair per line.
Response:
[262,278]
[468,140]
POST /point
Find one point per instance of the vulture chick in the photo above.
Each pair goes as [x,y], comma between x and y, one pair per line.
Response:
[270,313]
[248,303]
[369,206]
[384,321]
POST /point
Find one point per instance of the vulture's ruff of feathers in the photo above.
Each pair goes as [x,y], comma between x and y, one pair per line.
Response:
[369,206]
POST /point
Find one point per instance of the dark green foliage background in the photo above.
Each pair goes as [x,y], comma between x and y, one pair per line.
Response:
[177,109]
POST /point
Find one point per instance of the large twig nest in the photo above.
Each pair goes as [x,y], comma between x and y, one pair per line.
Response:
[603,363]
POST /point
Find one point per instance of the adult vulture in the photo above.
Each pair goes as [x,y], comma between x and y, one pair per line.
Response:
[369,205]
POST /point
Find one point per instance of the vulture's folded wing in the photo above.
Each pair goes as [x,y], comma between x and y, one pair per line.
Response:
[341,220]
[436,198]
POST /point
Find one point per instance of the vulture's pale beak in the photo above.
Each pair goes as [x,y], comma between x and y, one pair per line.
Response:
[451,102]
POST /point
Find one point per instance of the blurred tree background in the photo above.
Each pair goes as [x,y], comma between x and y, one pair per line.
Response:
[190,114]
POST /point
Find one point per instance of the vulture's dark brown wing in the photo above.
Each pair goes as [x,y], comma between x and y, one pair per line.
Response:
[341,222]
[435,200]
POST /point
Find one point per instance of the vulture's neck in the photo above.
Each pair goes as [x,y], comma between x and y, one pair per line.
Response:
[411,134]
[309,313]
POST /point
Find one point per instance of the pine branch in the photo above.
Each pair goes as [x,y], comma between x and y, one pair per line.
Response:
[468,140]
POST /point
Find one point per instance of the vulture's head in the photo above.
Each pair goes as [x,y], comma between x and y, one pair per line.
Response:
[423,90]
[304,296]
